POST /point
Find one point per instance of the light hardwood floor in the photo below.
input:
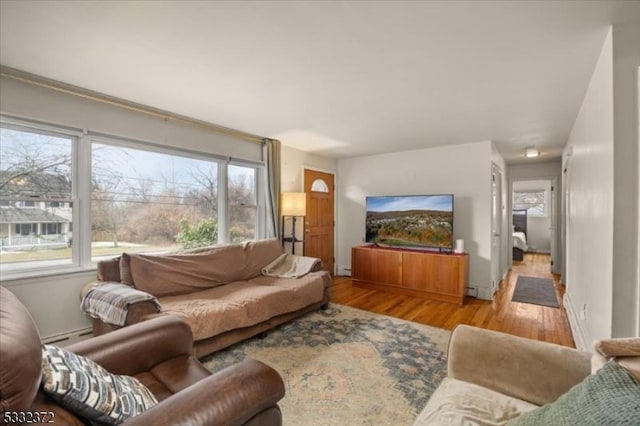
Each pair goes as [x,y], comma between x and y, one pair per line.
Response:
[521,319]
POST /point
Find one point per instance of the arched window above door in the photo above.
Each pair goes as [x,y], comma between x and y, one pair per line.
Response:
[319,185]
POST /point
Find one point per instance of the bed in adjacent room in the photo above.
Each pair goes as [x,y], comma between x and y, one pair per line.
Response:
[519,234]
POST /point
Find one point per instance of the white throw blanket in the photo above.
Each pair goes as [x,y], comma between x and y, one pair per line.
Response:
[290,266]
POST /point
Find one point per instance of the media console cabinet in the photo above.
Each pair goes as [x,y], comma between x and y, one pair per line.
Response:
[438,276]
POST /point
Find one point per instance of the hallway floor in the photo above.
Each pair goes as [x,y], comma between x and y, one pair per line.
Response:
[521,319]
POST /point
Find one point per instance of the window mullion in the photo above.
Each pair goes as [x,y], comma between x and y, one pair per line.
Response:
[261,216]
[223,204]
[82,198]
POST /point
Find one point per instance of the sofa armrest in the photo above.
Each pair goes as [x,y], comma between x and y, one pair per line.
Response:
[135,311]
[534,371]
[232,396]
[140,347]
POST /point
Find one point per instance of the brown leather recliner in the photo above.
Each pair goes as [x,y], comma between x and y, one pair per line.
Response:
[159,353]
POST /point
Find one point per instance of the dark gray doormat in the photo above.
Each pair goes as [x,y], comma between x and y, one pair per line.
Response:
[537,291]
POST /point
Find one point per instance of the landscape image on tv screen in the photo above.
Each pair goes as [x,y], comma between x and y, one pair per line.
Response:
[414,221]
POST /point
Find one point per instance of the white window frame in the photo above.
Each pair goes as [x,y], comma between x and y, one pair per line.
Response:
[74,136]
[260,187]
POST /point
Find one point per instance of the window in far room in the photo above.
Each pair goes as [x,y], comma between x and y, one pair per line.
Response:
[534,202]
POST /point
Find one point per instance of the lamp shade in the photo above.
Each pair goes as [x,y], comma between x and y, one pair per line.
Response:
[294,204]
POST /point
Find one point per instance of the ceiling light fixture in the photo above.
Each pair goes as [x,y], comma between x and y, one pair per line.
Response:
[531,152]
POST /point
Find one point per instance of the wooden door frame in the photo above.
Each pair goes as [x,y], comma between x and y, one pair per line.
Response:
[335,205]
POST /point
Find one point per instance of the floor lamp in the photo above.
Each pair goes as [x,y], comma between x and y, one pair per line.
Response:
[294,205]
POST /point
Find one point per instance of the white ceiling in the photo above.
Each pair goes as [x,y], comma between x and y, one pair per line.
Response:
[335,78]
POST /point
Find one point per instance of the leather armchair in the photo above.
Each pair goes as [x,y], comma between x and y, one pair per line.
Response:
[159,353]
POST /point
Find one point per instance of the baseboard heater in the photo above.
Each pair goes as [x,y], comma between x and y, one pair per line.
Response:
[64,339]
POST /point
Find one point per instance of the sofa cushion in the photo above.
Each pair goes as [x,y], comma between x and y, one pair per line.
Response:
[89,390]
[235,305]
[304,290]
[609,397]
[456,402]
[169,275]
[260,253]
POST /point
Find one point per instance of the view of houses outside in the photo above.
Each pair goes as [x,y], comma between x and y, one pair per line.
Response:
[35,196]
[141,200]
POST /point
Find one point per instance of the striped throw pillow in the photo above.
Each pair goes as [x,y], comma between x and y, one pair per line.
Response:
[90,391]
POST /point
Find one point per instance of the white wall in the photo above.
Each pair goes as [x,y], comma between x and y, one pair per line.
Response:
[462,170]
[638,203]
[293,163]
[626,283]
[603,288]
[589,178]
[23,100]
[54,301]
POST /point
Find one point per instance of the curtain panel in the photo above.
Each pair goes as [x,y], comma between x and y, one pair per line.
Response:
[272,156]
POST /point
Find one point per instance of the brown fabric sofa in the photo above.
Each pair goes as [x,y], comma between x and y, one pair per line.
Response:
[218,291]
[495,377]
[157,352]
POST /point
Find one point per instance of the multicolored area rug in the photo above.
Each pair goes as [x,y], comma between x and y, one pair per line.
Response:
[347,366]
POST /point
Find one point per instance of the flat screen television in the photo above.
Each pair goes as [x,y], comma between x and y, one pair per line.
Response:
[422,222]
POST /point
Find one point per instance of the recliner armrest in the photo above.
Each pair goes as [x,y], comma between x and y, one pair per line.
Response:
[232,396]
[534,371]
[139,347]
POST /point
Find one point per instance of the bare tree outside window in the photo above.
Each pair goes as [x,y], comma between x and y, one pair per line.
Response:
[35,189]
[242,203]
[140,198]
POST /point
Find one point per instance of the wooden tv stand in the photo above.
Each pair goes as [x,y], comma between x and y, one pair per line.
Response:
[438,276]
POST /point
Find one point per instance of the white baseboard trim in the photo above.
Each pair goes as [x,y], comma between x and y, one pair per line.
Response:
[579,337]
[484,293]
[344,270]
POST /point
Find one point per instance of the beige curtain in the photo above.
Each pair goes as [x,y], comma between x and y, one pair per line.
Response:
[271,154]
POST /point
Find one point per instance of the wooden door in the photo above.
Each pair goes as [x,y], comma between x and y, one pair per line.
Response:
[319,222]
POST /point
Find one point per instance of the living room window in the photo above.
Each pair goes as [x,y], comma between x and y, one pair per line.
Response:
[148,201]
[36,173]
[130,196]
[243,207]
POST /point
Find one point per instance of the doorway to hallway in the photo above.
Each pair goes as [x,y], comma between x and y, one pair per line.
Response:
[534,202]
